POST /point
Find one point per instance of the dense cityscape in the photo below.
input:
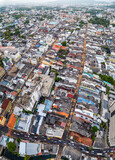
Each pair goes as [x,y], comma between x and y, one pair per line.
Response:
[57,82]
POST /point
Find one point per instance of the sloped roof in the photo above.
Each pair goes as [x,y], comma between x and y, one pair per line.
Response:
[5,104]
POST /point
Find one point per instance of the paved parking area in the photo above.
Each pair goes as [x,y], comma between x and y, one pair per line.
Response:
[71,153]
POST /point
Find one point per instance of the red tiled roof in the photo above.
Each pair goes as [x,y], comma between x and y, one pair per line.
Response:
[70,54]
[81,139]
[12,121]
[70,95]
[5,104]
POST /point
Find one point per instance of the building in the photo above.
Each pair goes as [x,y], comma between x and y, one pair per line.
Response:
[84,140]
[39,85]
[24,122]
[16,56]
[112,124]
[12,121]
[29,148]
[2,72]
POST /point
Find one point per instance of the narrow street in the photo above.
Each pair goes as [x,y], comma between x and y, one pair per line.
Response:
[74,100]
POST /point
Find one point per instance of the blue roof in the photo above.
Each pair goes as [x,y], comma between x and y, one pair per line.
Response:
[48,104]
[37,45]
[57,58]
[4,82]
[80,99]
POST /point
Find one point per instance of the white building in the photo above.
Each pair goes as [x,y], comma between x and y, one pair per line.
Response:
[112,124]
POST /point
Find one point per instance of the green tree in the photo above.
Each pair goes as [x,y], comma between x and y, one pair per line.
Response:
[43,100]
[41,19]
[18,16]
[95,129]
[1,63]
[11,146]
[18,140]
[53,87]
[27,157]
[64,158]
[103,125]
[93,137]
[18,154]
[100,21]
[107,89]
[26,21]
[103,63]
[27,112]
[24,37]
[17,32]
[57,79]
[90,148]
[64,43]
[107,79]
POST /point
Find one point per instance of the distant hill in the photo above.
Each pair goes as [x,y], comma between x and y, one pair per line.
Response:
[78,2]
[73,2]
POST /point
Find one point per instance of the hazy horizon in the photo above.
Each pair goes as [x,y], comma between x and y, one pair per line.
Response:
[37,2]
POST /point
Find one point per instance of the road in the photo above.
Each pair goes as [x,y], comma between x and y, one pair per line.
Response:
[63,142]
[107,152]
[75,97]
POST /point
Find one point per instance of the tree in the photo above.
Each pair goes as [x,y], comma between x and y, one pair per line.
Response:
[107,89]
[65,158]
[103,63]
[43,100]
[90,148]
[103,125]
[95,129]
[24,37]
[100,21]
[18,16]
[11,146]
[93,137]
[53,87]
[17,32]
[57,79]
[26,21]
[18,140]
[18,154]
[107,79]
[41,19]
[27,157]
[27,112]
[1,63]
[64,43]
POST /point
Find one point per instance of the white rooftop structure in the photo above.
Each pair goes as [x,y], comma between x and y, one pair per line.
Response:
[112,124]
[41,108]
[29,148]
[22,149]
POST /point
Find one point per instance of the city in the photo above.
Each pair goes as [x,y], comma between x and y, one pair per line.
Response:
[57,82]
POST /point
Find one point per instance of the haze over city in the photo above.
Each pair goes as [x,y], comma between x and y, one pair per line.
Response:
[38,2]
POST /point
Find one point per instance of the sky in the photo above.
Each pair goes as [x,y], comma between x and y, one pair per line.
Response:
[11,2]
[7,2]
